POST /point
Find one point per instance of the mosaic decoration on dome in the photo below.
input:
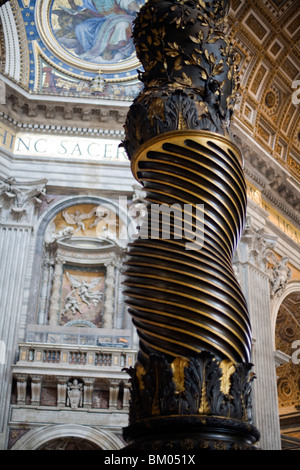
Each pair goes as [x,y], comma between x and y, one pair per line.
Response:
[71,42]
[97,31]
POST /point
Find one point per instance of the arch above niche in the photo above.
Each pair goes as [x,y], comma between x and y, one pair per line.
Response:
[291,287]
[35,439]
[287,336]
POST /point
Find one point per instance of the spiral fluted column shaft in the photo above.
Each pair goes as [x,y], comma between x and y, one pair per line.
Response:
[184,301]
[191,385]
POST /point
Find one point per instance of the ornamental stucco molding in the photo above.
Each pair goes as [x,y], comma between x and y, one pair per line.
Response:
[273,181]
[260,246]
[260,253]
[36,113]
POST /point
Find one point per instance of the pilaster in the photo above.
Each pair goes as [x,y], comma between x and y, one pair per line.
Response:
[109,295]
[55,296]
[18,213]
[255,252]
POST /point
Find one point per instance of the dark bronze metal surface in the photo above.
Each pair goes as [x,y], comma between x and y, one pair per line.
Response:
[191,384]
[186,301]
[190,74]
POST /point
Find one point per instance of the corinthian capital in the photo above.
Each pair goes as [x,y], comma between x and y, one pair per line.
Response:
[19,197]
[260,246]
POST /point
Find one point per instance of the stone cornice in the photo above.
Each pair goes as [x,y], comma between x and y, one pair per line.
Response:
[276,184]
[97,118]
[35,112]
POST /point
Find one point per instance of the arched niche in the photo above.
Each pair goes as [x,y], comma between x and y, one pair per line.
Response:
[292,287]
[80,247]
[287,341]
[45,438]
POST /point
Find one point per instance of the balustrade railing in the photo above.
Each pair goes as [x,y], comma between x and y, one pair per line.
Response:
[88,356]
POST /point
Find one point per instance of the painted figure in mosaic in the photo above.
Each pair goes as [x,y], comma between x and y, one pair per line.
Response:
[96,30]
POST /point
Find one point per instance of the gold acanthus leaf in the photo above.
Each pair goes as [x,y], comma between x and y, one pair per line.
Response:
[185,80]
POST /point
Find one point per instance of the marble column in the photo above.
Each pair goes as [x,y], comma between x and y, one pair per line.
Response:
[18,215]
[109,295]
[55,295]
[255,250]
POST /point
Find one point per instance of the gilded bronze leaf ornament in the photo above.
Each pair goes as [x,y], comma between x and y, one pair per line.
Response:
[192,383]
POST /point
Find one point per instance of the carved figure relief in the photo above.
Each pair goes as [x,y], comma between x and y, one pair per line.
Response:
[85,291]
[92,221]
[82,296]
[279,276]
[77,217]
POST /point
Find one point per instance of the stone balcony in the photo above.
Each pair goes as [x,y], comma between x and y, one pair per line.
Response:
[85,361]
[59,379]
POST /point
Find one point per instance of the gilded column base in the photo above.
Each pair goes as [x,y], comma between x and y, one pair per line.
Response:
[190,404]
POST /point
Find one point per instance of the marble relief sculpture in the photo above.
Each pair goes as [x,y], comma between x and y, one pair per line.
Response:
[279,276]
[85,290]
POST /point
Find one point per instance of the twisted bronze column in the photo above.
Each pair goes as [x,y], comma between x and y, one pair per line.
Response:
[191,385]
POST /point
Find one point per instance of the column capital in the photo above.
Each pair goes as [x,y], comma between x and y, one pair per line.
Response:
[36,378]
[19,199]
[257,246]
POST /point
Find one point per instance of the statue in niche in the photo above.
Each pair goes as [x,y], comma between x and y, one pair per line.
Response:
[279,276]
[74,394]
